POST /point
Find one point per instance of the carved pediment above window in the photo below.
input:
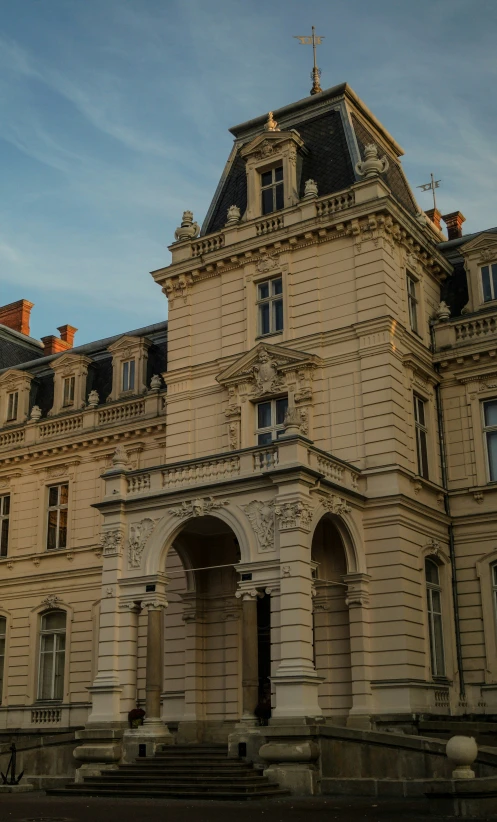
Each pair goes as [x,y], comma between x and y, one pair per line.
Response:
[483,248]
[269,370]
[270,143]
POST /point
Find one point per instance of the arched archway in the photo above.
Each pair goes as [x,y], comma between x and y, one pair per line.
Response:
[331,622]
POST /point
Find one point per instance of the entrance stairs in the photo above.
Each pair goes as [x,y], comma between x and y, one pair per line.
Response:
[179,771]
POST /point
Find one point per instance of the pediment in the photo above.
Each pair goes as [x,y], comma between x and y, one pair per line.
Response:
[13,378]
[70,361]
[128,343]
[270,142]
[267,368]
[486,242]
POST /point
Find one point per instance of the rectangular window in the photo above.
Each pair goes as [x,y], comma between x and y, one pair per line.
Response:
[52,656]
[57,517]
[412,303]
[68,391]
[489,282]
[12,403]
[4,524]
[128,375]
[3,631]
[493,571]
[435,624]
[270,419]
[490,431]
[270,306]
[272,190]
[421,435]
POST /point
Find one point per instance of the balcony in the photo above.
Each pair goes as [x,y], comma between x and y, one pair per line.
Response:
[469,330]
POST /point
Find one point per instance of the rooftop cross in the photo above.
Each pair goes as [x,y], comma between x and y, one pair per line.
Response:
[431,186]
[313,40]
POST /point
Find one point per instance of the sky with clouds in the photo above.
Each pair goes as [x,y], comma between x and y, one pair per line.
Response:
[114,118]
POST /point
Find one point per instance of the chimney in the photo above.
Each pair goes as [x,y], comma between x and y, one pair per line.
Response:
[435,216]
[54,345]
[454,223]
[16,316]
[67,333]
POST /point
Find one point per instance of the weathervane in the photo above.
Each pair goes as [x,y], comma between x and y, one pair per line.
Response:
[314,40]
[431,186]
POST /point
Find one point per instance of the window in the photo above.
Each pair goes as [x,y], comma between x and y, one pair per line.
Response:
[493,571]
[270,306]
[68,391]
[128,375]
[434,601]
[52,655]
[489,282]
[3,631]
[57,517]
[270,419]
[272,190]
[4,524]
[412,303]
[490,429]
[421,435]
[12,404]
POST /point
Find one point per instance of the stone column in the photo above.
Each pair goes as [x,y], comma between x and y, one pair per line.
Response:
[296,679]
[250,652]
[357,601]
[155,662]
[190,729]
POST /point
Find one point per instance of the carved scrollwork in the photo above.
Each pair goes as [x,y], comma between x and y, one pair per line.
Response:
[51,601]
[293,515]
[139,534]
[261,517]
[336,505]
[198,507]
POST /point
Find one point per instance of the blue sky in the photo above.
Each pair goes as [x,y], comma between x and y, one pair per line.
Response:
[114,118]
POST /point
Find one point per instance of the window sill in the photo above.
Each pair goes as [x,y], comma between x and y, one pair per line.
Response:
[271,334]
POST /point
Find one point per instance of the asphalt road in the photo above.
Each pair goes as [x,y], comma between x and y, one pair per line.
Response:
[36,807]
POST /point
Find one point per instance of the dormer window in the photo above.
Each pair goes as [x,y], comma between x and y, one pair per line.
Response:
[128,375]
[272,192]
[68,391]
[489,282]
[12,406]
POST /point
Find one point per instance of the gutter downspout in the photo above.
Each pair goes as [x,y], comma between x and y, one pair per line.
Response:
[450,528]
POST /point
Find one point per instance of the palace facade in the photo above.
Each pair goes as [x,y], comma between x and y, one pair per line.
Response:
[280,505]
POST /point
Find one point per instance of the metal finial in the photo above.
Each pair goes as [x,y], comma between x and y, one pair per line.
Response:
[431,186]
[314,40]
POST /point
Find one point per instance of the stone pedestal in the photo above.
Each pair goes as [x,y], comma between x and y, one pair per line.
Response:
[100,750]
[24,787]
[292,765]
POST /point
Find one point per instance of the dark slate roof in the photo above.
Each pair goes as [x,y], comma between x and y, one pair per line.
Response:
[331,124]
[455,288]
[16,348]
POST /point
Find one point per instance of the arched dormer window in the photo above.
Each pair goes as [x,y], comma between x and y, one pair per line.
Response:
[52,656]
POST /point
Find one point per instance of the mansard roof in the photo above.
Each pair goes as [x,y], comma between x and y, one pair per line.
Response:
[16,348]
[335,126]
[455,288]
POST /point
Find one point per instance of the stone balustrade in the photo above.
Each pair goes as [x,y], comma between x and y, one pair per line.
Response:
[330,205]
[211,243]
[273,223]
[45,716]
[56,427]
[466,330]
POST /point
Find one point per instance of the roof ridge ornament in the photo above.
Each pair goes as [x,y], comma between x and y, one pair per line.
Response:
[371,166]
[314,40]
[271,124]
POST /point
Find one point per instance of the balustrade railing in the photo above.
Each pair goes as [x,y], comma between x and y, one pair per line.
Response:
[45,716]
[332,470]
[265,459]
[208,244]
[338,202]
[475,328]
[205,471]
[66,425]
[12,438]
[268,225]
[138,484]
[121,413]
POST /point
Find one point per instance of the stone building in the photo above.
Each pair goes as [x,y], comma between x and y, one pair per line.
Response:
[292,509]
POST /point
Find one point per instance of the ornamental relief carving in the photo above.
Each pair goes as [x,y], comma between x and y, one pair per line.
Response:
[198,507]
[51,601]
[336,505]
[112,542]
[293,515]
[261,517]
[139,534]
[266,376]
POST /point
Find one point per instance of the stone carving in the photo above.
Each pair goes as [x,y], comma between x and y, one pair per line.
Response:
[120,459]
[155,383]
[271,124]
[293,515]
[266,377]
[57,471]
[139,534]
[178,287]
[93,399]
[310,189]
[336,505]
[267,262]
[261,516]
[234,436]
[304,390]
[286,571]
[51,601]
[488,254]
[478,497]
[371,166]
[35,413]
[112,542]
[443,312]
[199,507]
[292,420]
[188,230]
[232,215]
[265,150]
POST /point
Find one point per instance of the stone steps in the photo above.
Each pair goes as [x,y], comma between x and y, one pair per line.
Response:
[189,771]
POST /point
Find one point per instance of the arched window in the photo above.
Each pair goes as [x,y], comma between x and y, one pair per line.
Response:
[52,655]
[435,627]
[3,630]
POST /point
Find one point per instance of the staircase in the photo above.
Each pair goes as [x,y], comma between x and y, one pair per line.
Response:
[179,771]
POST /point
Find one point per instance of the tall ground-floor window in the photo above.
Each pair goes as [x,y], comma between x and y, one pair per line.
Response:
[52,655]
[3,630]
[435,627]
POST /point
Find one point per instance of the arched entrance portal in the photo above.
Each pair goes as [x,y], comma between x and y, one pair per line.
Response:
[331,623]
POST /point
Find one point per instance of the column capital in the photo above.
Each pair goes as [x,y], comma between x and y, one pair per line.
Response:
[294,514]
[155,603]
[357,589]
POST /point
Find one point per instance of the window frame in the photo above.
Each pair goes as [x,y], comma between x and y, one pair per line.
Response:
[430,589]
[271,300]
[4,518]
[68,396]
[274,427]
[275,186]
[12,406]
[59,508]
[488,429]
[492,272]
[56,650]
[413,302]
[3,653]
[493,582]
[421,433]
[128,375]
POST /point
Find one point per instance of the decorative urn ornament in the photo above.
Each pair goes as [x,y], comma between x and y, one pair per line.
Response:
[155,383]
[271,124]
[443,312]
[188,230]
[310,189]
[35,413]
[462,750]
[233,215]
[93,399]
[371,166]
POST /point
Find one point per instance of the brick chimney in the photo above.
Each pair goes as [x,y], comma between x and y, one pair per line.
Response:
[54,345]
[454,223]
[16,316]
[435,216]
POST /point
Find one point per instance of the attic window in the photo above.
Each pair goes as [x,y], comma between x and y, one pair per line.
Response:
[272,190]
[68,391]
[12,405]
[489,282]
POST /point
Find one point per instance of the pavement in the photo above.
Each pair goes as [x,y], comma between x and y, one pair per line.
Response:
[37,807]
